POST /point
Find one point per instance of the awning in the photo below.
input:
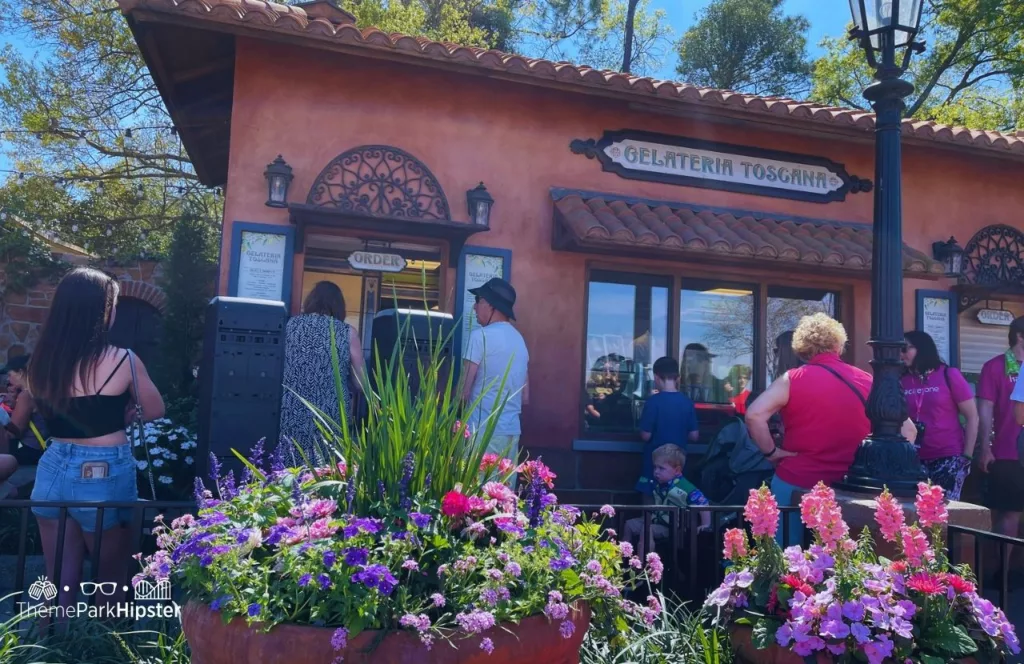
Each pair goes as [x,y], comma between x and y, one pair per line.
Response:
[604,223]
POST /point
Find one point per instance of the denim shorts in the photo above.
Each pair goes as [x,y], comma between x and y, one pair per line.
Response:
[59,479]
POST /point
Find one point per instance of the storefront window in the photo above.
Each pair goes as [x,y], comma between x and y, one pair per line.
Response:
[786,306]
[716,343]
[627,330]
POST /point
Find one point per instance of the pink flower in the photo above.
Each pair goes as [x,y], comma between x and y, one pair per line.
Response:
[530,468]
[502,494]
[889,516]
[735,544]
[931,507]
[608,511]
[762,511]
[915,545]
[927,584]
[654,567]
[460,427]
[821,513]
[492,460]
[455,504]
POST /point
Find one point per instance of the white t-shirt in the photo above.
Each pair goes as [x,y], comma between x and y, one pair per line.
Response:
[495,349]
[1018,392]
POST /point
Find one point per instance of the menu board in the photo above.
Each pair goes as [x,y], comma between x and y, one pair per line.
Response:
[478,269]
[261,266]
[936,317]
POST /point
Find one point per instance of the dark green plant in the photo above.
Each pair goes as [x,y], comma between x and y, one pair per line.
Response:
[26,259]
[188,284]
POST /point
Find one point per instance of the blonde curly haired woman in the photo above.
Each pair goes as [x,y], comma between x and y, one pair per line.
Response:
[822,405]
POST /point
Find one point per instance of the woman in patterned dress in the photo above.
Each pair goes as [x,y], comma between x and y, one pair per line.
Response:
[309,372]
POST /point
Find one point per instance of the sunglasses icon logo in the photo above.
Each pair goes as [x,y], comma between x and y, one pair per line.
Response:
[106,588]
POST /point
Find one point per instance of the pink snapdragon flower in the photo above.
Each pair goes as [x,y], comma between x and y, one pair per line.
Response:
[735,544]
[931,506]
[889,516]
[762,511]
[915,545]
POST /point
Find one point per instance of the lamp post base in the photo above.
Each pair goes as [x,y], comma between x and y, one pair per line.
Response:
[881,464]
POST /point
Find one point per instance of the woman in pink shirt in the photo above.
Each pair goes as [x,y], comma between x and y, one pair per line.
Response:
[937,395]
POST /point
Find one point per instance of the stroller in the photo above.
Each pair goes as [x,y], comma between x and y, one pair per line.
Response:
[733,465]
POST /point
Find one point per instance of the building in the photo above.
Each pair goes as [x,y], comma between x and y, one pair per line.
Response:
[636,218]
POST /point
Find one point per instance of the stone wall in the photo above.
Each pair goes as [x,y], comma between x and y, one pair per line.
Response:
[22,314]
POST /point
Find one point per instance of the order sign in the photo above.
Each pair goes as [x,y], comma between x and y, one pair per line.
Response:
[370,261]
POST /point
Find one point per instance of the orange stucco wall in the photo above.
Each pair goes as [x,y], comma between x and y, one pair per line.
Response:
[310,106]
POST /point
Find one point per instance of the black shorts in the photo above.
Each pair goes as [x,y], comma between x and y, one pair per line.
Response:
[1005,491]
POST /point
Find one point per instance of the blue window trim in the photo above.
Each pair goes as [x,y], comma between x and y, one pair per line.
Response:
[954,327]
[237,228]
[460,285]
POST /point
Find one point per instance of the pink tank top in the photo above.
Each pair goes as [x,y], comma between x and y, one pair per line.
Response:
[824,421]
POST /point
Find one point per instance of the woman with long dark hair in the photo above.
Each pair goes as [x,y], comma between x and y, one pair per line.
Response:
[309,368]
[937,396]
[83,387]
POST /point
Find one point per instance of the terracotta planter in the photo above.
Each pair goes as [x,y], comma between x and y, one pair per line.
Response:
[746,653]
[535,639]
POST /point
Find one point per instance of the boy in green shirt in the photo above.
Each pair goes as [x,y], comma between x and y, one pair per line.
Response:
[671,489]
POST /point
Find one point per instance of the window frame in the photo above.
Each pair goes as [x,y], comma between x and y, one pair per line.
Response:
[677,281]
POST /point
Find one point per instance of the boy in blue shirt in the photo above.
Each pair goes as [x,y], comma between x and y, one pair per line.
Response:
[669,418]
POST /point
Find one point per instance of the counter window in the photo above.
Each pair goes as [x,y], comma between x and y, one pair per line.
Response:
[716,342]
[627,330]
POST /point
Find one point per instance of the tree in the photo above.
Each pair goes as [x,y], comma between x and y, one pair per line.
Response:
[188,284]
[972,72]
[747,46]
[97,159]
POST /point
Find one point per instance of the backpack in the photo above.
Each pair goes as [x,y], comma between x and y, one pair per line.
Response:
[731,453]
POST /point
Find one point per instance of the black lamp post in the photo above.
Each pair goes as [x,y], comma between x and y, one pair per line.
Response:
[279,176]
[886,30]
[479,203]
[951,255]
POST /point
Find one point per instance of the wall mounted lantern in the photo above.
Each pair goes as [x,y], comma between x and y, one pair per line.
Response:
[279,176]
[479,203]
[951,255]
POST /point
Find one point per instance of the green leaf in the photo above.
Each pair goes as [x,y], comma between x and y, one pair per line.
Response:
[931,659]
[763,635]
[950,639]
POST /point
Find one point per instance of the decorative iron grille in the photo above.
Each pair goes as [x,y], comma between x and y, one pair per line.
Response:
[995,258]
[380,181]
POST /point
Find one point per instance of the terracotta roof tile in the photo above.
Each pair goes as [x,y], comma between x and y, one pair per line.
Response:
[258,15]
[599,221]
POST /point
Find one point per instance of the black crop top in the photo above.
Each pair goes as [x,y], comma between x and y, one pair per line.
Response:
[91,416]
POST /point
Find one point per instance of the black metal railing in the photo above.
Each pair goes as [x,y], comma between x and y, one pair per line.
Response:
[986,547]
[143,515]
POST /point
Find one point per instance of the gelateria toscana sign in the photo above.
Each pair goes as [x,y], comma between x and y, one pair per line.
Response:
[640,155]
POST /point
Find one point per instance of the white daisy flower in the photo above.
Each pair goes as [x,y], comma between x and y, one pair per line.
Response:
[189,460]
[165,480]
[141,465]
[172,437]
[157,463]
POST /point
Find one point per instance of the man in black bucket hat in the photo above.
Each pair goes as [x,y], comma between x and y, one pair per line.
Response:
[496,351]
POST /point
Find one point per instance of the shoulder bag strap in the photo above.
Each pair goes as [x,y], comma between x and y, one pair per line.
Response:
[135,428]
[850,385]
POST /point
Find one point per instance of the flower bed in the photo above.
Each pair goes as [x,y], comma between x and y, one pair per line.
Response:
[839,601]
[169,453]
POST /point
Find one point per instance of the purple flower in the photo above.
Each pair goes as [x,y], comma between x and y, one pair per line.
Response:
[487,645]
[254,610]
[744,579]
[305,579]
[475,622]
[329,559]
[408,466]
[339,639]
[720,597]
[514,569]
[325,581]
[853,611]
[594,567]
[369,526]
[566,628]
[834,629]
[277,460]
[784,635]
[199,492]
[860,633]
[420,520]
[219,602]
[256,459]
[608,511]
[437,599]
[563,562]
[808,646]
[376,576]
[356,556]
[489,596]
[410,565]
[877,651]
[213,519]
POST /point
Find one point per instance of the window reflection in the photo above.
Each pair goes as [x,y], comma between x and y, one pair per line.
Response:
[716,338]
[786,306]
[627,329]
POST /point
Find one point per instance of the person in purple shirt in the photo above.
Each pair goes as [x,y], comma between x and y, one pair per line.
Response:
[999,432]
[669,417]
[937,395]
